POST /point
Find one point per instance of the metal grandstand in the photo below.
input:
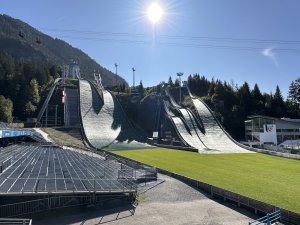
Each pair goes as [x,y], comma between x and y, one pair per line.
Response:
[35,169]
[36,177]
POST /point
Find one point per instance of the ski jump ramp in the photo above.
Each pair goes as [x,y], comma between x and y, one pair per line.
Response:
[206,135]
[104,122]
[185,126]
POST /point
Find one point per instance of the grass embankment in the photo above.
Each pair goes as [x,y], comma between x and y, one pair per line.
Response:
[266,178]
[63,137]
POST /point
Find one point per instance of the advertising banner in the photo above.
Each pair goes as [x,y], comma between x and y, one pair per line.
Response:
[14,133]
[269,134]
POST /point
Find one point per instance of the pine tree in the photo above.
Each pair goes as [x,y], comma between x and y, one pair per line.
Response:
[256,94]
[278,104]
[30,109]
[34,92]
[257,100]
[294,92]
[6,109]
[141,88]
[245,98]
[177,83]
[170,82]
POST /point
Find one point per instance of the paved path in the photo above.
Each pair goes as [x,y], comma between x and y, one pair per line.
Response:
[170,203]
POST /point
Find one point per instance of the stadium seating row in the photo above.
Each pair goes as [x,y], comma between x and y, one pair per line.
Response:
[53,169]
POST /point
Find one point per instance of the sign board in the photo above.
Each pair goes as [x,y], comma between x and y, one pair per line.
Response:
[14,133]
[269,134]
[155,134]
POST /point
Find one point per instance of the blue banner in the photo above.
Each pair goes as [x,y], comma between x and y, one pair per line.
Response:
[14,133]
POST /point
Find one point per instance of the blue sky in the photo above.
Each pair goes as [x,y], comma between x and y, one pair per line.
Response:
[255,41]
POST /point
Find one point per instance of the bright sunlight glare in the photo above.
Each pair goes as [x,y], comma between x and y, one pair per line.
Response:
[154,12]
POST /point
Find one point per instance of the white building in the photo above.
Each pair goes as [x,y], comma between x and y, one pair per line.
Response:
[261,130]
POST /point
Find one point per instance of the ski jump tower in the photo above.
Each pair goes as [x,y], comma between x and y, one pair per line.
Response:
[56,112]
[70,96]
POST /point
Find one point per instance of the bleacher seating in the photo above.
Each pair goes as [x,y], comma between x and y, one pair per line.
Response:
[38,169]
[9,155]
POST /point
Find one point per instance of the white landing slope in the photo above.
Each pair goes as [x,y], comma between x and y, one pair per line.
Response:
[214,137]
[97,118]
[104,122]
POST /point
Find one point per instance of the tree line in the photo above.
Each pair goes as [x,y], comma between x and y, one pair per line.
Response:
[24,83]
[232,104]
[21,86]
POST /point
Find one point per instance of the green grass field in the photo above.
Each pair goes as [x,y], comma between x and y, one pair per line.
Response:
[271,179]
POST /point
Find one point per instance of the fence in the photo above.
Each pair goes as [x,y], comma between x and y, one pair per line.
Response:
[268,219]
[240,200]
[128,163]
[40,205]
[63,185]
[6,221]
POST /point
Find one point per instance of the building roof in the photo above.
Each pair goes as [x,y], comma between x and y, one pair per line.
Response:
[261,116]
[288,120]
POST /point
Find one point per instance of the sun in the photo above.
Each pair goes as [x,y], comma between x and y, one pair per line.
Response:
[154,12]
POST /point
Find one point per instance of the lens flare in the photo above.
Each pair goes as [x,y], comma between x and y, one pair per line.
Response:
[154,12]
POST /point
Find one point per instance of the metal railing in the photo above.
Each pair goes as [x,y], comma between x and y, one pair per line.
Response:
[65,185]
[55,202]
[12,221]
[268,219]
[41,112]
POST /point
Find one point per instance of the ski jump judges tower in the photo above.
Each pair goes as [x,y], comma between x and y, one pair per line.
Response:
[60,108]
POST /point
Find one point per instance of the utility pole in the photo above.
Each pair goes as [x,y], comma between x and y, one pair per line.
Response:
[180,75]
[133,74]
[116,65]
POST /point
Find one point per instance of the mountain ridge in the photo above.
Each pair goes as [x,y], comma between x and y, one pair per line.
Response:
[24,42]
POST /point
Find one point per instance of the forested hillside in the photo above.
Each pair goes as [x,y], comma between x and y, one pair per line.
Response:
[21,85]
[26,44]
[232,104]
[29,63]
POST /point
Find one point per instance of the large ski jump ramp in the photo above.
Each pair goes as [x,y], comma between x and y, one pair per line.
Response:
[214,136]
[211,138]
[104,123]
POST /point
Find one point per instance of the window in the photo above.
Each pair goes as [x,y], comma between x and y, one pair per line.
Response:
[287,130]
[288,137]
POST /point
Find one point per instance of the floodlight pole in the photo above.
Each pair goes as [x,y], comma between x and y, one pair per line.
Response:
[180,75]
[133,77]
[116,65]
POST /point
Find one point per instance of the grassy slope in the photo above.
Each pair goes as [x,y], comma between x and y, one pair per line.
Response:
[267,178]
[63,138]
